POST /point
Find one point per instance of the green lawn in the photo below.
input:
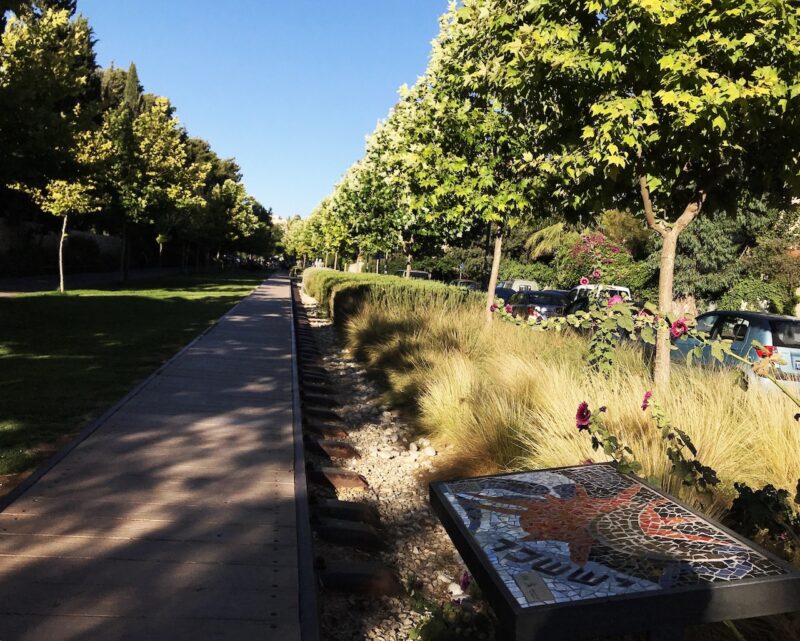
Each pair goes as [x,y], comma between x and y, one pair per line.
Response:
[65,358]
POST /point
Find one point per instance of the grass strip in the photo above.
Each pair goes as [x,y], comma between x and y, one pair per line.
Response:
[64,358]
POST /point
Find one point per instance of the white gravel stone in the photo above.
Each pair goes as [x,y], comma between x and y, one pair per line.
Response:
[418,546]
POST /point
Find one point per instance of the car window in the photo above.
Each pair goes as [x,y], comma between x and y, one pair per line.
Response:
[516,299]
[733,329]
[786,333]
[706,322]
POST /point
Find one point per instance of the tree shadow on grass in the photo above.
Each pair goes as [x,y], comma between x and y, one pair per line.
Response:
[63,359]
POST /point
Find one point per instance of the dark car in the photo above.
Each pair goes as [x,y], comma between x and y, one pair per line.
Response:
[465,283]
[503,293]
[536,304]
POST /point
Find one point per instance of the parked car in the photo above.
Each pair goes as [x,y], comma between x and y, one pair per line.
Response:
[465,283]
[519,285]
[503,293]
[536,304]
[599,291]
[778,335]
[415,273]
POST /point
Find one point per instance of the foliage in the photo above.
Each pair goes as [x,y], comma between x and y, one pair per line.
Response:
[341,294]
[768,516]
[542,273]
[47,91]
[691,472]
[756,294]
[666,107]
[626,229]
[594,253]
[603,439]
[80,139]
[449,621]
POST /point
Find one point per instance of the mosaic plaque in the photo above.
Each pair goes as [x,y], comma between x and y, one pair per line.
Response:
[580,534]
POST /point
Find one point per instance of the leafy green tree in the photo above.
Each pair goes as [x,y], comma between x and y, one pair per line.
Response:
[48,90]
[78,196]
[666,107]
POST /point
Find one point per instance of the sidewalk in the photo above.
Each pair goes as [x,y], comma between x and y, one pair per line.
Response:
[174,520]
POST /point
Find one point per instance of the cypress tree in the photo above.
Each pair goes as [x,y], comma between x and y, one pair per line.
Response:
[133,91]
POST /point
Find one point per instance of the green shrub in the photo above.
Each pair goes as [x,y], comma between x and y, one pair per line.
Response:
[543,274]
[753,292]
[341,294]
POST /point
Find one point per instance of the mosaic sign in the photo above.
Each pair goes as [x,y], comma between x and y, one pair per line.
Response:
[574,535]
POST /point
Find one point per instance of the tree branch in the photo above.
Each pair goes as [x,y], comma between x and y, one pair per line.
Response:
[649,214]
[690,213]
[644,190]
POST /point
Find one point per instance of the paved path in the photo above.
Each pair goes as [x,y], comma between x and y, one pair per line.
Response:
[175,520]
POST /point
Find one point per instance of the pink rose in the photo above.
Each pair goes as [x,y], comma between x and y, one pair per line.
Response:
[616,299]
[679,328]
[584,281]
[492,307]
[646,400]
[596,274]
[508,309]
[583,416]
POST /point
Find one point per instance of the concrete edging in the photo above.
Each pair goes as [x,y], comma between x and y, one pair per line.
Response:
[307,583]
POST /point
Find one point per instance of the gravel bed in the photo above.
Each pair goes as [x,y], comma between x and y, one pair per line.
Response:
[396,462]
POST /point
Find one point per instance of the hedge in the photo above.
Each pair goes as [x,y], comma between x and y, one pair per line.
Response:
[340,294]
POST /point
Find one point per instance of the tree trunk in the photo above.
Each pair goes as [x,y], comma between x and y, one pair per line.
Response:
[160,255]
[498,252]
[336,261]
[666,277]
[61,255]
[409,257]
[377,265]
[123,254]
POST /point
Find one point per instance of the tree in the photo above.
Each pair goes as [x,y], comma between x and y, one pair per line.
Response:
[668,108]
[48,89]
[78,196]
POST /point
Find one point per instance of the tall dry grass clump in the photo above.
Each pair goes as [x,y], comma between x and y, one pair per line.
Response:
[501,397]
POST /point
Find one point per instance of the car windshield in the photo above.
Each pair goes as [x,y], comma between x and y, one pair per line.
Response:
[546,299]
[705,323]
[786,333]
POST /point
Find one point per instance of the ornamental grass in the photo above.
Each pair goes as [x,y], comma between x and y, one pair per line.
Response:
[503,397]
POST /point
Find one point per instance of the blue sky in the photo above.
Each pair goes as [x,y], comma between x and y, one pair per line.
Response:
[288,87]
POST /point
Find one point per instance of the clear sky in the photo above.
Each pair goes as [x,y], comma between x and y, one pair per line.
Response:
[289,87]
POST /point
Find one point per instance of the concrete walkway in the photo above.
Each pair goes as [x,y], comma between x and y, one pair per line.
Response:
[175,519]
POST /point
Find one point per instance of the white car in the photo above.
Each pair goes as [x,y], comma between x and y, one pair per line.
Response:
[595,291]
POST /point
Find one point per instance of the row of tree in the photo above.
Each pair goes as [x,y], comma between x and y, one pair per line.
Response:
[560,111]
[79,140]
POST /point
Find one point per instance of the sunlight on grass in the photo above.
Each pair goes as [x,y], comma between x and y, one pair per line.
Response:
[504,397]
